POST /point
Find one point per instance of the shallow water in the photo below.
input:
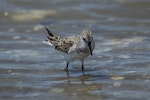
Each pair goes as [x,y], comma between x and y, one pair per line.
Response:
[118,70]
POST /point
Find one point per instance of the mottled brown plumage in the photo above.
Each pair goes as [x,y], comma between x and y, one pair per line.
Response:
[73,47]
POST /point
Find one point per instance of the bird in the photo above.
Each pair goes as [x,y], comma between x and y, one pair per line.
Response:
[72,47]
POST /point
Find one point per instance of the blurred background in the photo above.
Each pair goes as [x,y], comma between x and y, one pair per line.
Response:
[31,70]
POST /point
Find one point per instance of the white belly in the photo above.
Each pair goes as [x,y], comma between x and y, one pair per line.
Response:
[74,55]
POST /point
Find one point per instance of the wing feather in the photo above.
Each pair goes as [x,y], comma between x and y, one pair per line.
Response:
[64,45]
[60,43]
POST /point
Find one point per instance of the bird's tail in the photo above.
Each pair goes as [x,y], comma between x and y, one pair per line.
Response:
[48,38]
[49,32]
[51,39]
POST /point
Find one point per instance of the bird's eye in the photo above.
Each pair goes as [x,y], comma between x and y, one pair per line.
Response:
[84,39]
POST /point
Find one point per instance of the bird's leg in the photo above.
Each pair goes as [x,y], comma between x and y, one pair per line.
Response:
[82,65]
[67,64]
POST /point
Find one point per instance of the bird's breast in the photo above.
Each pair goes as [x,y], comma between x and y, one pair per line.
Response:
[75,55]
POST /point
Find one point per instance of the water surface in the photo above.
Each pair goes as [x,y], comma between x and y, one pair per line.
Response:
[118,70]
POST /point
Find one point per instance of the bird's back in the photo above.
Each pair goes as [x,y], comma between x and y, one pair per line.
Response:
[62,44]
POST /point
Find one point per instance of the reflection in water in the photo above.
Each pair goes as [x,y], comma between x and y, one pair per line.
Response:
[68,72]
[78,85]
[81,78]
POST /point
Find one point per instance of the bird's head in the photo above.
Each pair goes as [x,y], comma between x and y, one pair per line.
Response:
[88,39]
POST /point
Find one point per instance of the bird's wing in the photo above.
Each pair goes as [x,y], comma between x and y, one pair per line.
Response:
[64,44]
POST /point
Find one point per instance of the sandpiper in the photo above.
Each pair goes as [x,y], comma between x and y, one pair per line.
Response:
[73,47]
